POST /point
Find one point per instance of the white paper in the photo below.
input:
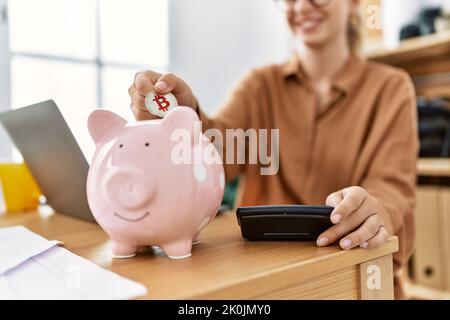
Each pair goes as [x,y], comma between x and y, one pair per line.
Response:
[6,292]
[17,244]
[57,273]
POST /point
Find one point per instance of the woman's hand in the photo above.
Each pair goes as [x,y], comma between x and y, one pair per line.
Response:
[357,220]
[147,81]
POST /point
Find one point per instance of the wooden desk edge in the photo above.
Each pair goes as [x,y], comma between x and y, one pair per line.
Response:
[283,276]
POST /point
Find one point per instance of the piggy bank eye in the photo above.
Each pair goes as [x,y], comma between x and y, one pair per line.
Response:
[147,144]
[121,146]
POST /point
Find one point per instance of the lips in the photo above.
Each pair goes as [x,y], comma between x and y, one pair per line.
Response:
[132,219]
[308,25]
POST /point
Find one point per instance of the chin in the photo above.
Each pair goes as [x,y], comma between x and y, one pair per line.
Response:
[313,42]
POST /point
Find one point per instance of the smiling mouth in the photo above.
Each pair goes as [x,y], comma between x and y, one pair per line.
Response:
[308,24]
[132,220]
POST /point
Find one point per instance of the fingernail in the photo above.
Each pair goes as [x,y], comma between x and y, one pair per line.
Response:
[365,245]
[335,218]
[346,243]
[322,241]
[161,85]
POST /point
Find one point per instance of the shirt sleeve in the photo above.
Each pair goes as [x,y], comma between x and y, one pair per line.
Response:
[391,177]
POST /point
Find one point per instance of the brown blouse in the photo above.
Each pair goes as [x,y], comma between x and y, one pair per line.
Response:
[366,136]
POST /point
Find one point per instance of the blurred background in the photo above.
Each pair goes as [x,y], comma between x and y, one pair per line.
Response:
[84,54]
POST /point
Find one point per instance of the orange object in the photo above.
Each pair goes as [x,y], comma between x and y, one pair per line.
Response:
[19,190]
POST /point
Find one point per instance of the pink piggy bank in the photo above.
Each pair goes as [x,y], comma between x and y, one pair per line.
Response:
[139,190]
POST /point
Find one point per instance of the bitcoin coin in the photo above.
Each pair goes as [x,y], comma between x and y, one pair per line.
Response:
[160,104]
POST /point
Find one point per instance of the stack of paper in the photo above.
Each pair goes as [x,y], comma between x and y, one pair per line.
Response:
[32,267]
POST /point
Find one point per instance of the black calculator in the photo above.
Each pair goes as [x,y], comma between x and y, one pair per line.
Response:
[277,223]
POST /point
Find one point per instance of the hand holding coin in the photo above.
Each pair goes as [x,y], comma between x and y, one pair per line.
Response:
[154,94]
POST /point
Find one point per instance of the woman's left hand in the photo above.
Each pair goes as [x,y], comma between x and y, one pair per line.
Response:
[357,220]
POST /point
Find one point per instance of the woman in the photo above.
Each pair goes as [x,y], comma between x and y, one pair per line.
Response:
[348,133]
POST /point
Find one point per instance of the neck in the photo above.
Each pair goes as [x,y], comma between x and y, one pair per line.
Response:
[323,62]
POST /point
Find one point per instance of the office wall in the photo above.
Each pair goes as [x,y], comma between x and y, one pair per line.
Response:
[213,43]
[5,98]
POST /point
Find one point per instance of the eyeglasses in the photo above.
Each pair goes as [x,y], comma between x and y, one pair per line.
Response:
[290,4]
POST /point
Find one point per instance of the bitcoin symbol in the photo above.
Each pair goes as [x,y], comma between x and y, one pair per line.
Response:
[159,104]
[162,102]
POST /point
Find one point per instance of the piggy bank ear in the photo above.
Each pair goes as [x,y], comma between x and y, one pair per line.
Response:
[180,117]
[101,122]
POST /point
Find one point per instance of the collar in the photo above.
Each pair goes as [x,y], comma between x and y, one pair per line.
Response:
[345,80]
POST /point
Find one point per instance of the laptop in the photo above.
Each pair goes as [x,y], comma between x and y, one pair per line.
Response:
[53,156]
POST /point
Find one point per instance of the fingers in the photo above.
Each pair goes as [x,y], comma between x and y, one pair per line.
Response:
[335,233]
[363,234]
[371,234]
[167,83]
[144,82]
[137,100]
[172,83]
[141,114]
[352,199]
[356,219]
[349,224]
[334,199]
[138,105]
[378,240]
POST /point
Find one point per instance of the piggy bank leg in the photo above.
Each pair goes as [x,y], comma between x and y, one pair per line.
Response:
[121,250]
[204,223]
[197,238]
[178,250]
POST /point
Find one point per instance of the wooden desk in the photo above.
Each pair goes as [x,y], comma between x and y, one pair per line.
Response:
[224,266]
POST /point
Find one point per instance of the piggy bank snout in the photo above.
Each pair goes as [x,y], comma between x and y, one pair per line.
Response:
[127,189]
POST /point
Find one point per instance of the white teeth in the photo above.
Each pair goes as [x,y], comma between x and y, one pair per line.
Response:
[309,24]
